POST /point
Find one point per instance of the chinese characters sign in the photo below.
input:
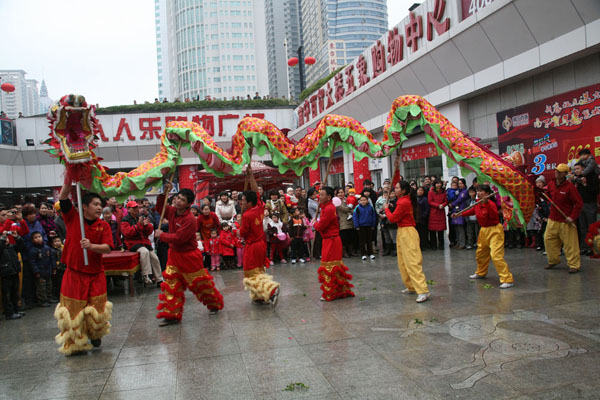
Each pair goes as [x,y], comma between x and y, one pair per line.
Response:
[418,152]
[554,130]
[386,52]
[147,127]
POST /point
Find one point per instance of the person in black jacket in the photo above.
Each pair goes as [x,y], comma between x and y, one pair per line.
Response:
[9,272]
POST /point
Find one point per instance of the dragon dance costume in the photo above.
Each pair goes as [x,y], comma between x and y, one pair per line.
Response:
[260,285]
[333,274]
[83,312]
[185,266]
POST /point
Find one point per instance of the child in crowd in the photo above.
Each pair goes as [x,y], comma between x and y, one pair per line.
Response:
[296,232]
[56,249]
[364,220]
[227,242]
[43,266]
[239,241]
[276,232]
[543,210]
[214,250]
[472,225]
[308,236]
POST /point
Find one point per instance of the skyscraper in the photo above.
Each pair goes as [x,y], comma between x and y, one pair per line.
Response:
[45,101]
[283,32]
[211,48]
[337,31]
[24,99]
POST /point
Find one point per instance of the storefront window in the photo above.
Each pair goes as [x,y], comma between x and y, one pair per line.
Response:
[434,166]
[414,169]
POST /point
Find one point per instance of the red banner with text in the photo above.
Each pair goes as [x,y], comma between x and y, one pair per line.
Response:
[554,130]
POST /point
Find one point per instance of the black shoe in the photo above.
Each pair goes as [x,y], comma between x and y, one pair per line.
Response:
[14,316]
[213,311]
[168,321]
[21,313]
[54,301]
[96,342]
[45,304]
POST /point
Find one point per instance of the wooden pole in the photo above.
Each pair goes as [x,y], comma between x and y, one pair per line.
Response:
[249,167]
[458,214]
[162,213]
[81,223]
[558,208]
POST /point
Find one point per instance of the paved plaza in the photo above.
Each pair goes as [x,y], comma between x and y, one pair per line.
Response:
[540,339]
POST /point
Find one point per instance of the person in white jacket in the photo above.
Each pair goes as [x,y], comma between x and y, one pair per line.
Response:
[225,209]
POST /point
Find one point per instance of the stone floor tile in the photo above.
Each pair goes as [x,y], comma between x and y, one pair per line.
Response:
[141,377]
[271,383]
[270,360]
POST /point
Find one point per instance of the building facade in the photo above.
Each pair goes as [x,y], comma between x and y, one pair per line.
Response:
[283,34]
[336,31]
[481,66]
[211,48]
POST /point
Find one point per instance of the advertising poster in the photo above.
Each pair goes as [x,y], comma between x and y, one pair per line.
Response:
[554,130]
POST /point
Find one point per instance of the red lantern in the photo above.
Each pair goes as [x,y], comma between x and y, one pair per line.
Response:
[8,87]
[293,61]
[310,60]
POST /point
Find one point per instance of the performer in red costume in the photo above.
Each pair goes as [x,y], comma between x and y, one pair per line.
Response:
[83,312]
[262,287]
[333,274]
[185,266]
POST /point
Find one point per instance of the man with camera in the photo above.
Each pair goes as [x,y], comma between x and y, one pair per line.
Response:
[587,186]
[136,229]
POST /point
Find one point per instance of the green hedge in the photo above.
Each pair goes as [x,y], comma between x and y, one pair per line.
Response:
[317,85]
[195,105]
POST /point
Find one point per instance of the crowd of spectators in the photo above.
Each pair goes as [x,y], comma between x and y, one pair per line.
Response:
[31,238]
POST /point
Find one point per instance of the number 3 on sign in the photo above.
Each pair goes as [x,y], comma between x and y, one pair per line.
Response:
[539,164]
[477,5]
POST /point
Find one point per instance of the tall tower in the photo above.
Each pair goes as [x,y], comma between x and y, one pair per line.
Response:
[45,101]
[211,48]
[337,31]
[283,32]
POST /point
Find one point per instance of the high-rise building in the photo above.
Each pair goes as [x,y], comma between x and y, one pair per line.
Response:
[45,101]
[24,99]
[335,32]
[33,97]
[283,32]
[211,48]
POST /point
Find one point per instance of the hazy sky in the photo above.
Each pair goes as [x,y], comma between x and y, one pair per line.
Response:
[104,50]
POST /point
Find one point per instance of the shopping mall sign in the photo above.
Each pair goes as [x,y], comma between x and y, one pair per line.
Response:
[383,54]
[132,127]
[554,130]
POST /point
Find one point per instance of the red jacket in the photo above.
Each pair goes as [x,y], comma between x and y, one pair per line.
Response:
[227,242]
[328,225]
[252,224]
[567,198]
[182,228]
[212,246]
[135,234]
[403,214]
[437,217]
[206,223]
[486,213]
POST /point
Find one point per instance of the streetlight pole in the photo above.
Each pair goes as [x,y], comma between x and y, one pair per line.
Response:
[301,61]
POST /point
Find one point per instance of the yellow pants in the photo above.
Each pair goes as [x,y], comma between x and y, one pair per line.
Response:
[561,234]
[490,246]
[410,259]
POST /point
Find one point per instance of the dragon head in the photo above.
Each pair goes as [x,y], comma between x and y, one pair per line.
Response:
[73,127]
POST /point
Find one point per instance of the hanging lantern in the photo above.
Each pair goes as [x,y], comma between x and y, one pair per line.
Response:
[310,60]
[293,61]
[8,87]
